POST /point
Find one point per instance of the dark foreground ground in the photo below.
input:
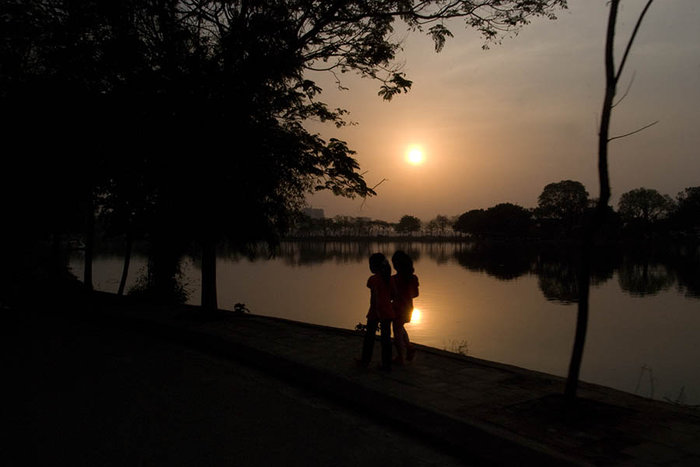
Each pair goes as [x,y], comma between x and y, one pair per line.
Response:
[90,395]
[126,384]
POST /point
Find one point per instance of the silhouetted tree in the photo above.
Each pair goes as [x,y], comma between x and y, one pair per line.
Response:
[687,213]
[686,264]
[51,111]
[502,220]
[507,220]
[611,226]
[562,205]
[124,209]
[471,222]
[612,76]
[381,227]
[440,224]
[408,224]
[641,208]
[264,49]
[206,99]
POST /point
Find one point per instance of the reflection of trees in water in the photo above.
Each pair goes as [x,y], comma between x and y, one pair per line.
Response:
[557,271]
[440,252]
[648,270]
[642,270]
[558,280]
[297,253]
[687,265]
[252,252]
[413,249]
[314,252]
[505,261]
[645,278]
[300,253]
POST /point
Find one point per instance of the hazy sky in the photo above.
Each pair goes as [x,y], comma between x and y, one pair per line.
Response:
[498,125]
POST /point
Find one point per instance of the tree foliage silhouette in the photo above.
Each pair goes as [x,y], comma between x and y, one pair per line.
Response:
[501,220]
[644,204]
[687,213]
[408,224]
[562,204]
[206,102]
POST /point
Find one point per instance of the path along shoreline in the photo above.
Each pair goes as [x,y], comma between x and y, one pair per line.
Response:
[474,409]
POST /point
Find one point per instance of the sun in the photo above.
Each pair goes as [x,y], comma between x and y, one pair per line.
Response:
[415,155]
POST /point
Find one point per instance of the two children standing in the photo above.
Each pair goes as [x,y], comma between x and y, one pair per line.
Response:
[391,305]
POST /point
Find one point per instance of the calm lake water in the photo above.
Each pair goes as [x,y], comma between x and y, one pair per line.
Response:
[505,303]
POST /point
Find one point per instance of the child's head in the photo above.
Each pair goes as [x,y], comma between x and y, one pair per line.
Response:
[376,262]
[402,262]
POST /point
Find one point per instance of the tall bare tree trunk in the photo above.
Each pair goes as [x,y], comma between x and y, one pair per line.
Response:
[127,261]
[612,77]
[209,299]
[89,245]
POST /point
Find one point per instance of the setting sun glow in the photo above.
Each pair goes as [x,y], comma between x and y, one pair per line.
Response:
[415,317]
[415,155]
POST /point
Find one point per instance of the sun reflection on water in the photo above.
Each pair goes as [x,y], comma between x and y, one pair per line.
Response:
[416,316]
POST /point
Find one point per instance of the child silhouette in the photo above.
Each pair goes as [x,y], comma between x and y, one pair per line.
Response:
[404,288]
[380,312]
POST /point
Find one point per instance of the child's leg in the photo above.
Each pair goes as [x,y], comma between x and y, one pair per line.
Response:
[398,339]
[410,350]
[368,342]
[386,344]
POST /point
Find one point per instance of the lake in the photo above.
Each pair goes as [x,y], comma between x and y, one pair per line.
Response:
[514,304]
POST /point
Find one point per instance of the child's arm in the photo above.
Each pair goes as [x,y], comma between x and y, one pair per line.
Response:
[372,294]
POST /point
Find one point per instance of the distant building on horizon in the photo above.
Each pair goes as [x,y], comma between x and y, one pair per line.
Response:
[314,213]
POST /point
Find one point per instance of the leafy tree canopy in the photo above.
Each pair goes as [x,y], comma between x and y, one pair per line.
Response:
[687,214]
[408,224]
[564,201]
[471,222]
[644,204]
[505,219]
[204,99]
[146,82]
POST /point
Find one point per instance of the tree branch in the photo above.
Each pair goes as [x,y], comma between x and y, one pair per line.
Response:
[382,181]
[364,198]
[633,132]
[634,34]
[629,86]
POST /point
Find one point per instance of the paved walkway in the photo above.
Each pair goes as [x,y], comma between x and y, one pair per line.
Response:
[471,408]
[83,394]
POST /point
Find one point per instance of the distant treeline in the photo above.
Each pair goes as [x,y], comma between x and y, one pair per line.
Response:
[561,212]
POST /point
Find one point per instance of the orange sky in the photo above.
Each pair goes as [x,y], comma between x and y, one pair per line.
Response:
[498,125]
